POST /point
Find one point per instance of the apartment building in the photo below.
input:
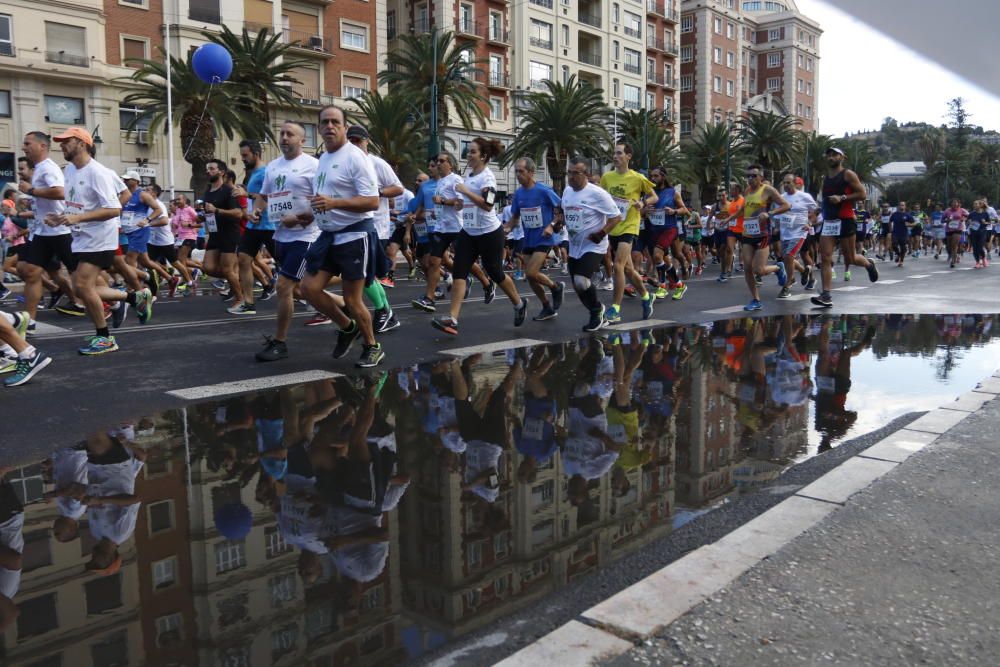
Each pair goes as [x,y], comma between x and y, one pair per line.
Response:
[743,55]
[61,65]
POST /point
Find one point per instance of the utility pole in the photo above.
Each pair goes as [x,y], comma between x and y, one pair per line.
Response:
[433,147]
[729,140]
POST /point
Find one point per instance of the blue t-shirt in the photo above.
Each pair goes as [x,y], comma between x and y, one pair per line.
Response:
[899,221]
[425,196]
[254,186]
[544,198]
[666,197]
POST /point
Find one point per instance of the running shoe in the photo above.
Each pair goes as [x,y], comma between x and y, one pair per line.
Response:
[345,339]
[438,293]
[699,270]
[547,313]
[242,309]
[445,324]
[8,364]
[227,296]
[4,291]
[387,282]
[723,278]
[489,292]
[613,315]
[319,320]
[661,292]
[266,293]
[118,314]
[782,275]
[413,272]
[758,279]
[73,309]
[872,272]
[806,276]
[833,274]
[518,275]
[754,304]
[824,300]
[22,321]
[27,369]
[371,356]
[520,312]
[32,329]
[144,305]
[98,345]
[424,304]
[630,291]
[557,296]
[679,292]
[607,285]
[54,299]
[597,320]
[384,320]
[647,306]
[785,292]
[847,276]
[274,350]
[219,284]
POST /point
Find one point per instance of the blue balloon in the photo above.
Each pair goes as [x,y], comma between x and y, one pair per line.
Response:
[234,521]
[212,63]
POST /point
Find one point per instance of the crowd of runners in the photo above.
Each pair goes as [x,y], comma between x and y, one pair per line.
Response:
[327,231]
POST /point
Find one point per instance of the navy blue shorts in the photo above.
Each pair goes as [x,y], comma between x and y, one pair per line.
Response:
[138,240]
[291,256]
[354,260]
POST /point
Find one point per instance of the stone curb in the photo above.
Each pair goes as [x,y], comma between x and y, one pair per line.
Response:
[612,627]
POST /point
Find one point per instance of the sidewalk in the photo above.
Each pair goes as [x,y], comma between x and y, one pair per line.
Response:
[904,573]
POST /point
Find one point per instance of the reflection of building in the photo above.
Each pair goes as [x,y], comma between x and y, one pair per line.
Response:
[707,438]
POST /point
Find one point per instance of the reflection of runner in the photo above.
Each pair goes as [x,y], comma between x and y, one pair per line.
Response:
[67,470]
[11,547]
[535,437]
[112,506]
[833,381]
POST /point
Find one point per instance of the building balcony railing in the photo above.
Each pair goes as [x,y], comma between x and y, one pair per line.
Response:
[539,84]
[498,36]
[470,29]
[661,80]
[632,69]
[673,16]
[655,43]
[64,58]
[421,26]
[673,49]
[540,43]
[205,15]
[590,19]
[632,104]
[633,32]
[499,80]
[542,3]
[654,7]
[593,59]
[6,49]
[299,40]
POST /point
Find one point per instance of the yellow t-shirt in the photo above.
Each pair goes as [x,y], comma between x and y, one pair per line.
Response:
[626,189]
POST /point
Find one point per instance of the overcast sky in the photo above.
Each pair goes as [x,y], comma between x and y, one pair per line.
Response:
[895,81]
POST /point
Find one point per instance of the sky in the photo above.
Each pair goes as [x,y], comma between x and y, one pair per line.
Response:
[896,81]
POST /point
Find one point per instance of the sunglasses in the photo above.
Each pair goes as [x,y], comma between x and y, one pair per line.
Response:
[752,175]
[440,161]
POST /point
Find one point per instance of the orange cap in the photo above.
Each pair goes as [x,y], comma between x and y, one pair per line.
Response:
[76,133]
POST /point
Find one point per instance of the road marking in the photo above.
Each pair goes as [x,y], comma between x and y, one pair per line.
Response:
[921,275]
[889,282]
[962,268]
[724,311]
[797,297]
[487,348]
[850,288]
[43,328]
[641,324]
[249,385]
[940,271]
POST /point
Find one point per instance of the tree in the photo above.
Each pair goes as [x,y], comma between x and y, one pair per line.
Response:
[959,117]
[863,161]
[395,136]
[410,72]
[931,143]
[647,132]
[199,109]
[565,121]
[769,139]
[810,159]
[263,68]
[706,158]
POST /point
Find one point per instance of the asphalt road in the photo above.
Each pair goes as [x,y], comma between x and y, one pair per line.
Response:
[192,341]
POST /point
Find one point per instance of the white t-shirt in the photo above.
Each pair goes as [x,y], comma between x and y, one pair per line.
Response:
[386,179]
[161,235]
[47,175]
[795,223]
[448,219]
[476,221]
[517,233]
[88,189]
[587,211]
[288,185]
[343,174]
[12,537]
[402,202]
[69,466]
[115,522]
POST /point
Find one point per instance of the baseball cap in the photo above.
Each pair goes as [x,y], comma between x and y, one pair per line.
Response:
[131,175]
[75,133]
[114,567]
[834,149]
[357,132]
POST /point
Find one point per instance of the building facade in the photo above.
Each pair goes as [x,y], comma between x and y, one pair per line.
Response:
[747,55]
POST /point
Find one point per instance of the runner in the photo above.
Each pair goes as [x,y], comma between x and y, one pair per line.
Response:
[954,222]
[139,212]
[938,230]
[732,223]
[222,222]
[535,208]
[760,203]
[419,212]
[663,235]
[840,190]
[186,227]
[884,230]
[978,219]
[917,231]
[283,196]
[162,252]
[346,196]
[481,237]
[794,231]
[16,355]
[259,231]
[398,241]
[589,214]
[631,192]
[901,222]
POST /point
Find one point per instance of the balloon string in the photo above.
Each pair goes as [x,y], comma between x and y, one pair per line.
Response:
[202,117]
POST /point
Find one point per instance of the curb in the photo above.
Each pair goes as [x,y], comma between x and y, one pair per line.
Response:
[645,608]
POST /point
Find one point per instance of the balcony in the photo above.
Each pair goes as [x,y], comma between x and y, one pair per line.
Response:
[6,49]
[498,36]
[63,58]
[539,85]
[673,16]
[499,80]
[303,42]
[673,49]
[655,43]
[422,26]
[473,29]
[633,32]
[632,69]
[590,19]
[540,43]
[632,104]
[547,4]
[205,15]
[655,79]
[593,59]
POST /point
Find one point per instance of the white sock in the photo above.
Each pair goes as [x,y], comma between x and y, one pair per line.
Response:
[27,353]
[7,351]
[11,319]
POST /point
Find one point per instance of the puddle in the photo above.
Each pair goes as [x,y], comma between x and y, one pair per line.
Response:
[370,521]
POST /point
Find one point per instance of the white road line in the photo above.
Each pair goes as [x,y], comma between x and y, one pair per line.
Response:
[487,348]
[921,275]
[962,268]
[797,297]
[252,384]
[940,271]
[641,324]
[888,282]
[42,328]
[724,311]
[850,288]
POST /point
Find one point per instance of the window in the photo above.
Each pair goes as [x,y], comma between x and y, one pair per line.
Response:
[496,108]
[229,556]
[717,84]
[282,588]
[687,54]
[390,25]
[668,39]
[353,36]
[717,25]
[616,50]
[474,555]
[168,630]
[633,25]
[539,72]
[308,87]
[274,542]
[466,22]
[651,66]
[565,74]
[730,88]
[632,61]
[164,572]
[565,35]
[717,56]
[354,86]
[686,124]
[801,61]
[160,516]
[809,111]
[809,64]
[730,60]
[774,83]
[134,48]
[650,101]
[632,97]
[309,141]
[541,34]
[103,594]
[204,10]
[730,30]
[799,109]
[774,34]
[110,649]
[496,27]
[774,60]
[800,86]
[616,88]
[233,609]
[687,24]
[63,111]
[616,13]
[36,552]
[66,44]
[687,83]
[496,67]
[668,73]
[38,615]
[809,88]
[6,35]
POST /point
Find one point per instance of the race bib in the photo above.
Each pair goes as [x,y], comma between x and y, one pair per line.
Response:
[623,206]
[470,215]
[734,223]
[574,220]
[654,389]
[954,224]
[747,393]
[73,208]
[420,228]
[438,211]
[533,429]
[531,218]
[831,228]
[751,227]
[128,221]
[825,384]
[658,217]
[211,226]
[280,204]
[974,226]
[617,432]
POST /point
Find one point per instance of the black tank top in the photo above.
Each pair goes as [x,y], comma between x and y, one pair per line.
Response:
[837,185]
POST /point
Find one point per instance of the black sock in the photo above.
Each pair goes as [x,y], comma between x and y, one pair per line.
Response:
[130,298]
[103,331]
[672,274]
[661,272]
[588,298]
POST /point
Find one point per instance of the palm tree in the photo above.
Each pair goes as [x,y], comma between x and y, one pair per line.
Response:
[769,139]
[706,158]
[394,135]
[931,143]
[199,109]
[863,161]
[410,72]
[263,67]
[646,130]
[567,120]
[810,158]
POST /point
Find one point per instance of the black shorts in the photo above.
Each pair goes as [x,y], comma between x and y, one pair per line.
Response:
[544,249]
[255,239]
[587,265]
[48,251]
[422,249]
[103,259]
[756,242]
[201,242]
[191,244]
[469,248]
[848,228]
[167,253]
[622,238]
[441,241]
[14,250]
[354,260]
[397,236]
[226,240]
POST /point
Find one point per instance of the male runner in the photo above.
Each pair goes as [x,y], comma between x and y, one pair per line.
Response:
[663,234]
[901,222]
[138,213]
[795,230]
[259,232]
[222,223]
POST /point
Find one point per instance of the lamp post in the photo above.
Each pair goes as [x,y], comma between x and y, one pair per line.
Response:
[729,129]
[433,148]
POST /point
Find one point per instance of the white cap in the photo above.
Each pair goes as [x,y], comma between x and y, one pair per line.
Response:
[131,175]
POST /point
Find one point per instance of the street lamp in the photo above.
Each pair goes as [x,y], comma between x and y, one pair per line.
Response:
[433,148]
[729,130]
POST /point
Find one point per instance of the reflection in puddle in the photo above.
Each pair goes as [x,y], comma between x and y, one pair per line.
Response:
[369,520]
